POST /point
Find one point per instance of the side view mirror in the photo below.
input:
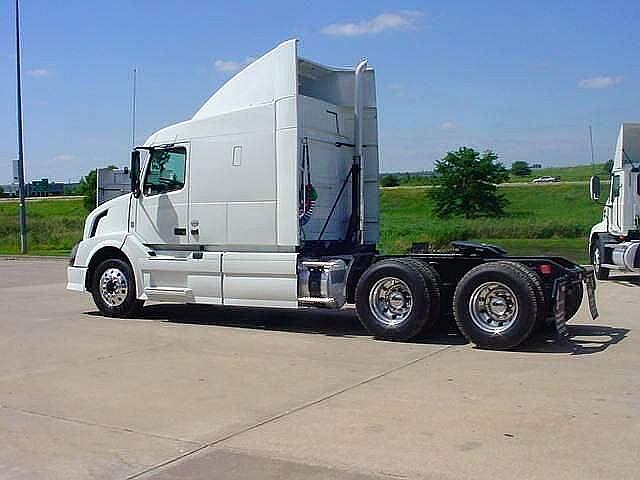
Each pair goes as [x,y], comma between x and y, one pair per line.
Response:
[134,173]
[594,188]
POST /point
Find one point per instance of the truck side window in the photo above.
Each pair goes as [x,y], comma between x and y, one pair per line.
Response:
[615,186]
[166,171]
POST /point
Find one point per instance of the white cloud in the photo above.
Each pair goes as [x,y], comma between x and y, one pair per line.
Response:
[600,82]
[448,126]
[65,157]
[38,72]
[231,66]
[402,20]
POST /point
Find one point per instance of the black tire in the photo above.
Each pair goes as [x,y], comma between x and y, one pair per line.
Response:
[538,289]
[573,301]
[432,282]
[519,297]
[110,303]
[417,314]
[597,258]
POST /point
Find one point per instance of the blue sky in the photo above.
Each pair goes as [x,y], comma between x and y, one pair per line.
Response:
[523,79]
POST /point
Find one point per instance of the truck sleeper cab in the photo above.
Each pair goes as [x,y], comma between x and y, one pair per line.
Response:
[268,197]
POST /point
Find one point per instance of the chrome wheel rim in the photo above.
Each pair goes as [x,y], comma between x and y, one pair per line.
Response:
[493,307]
[391,301]
[113,287]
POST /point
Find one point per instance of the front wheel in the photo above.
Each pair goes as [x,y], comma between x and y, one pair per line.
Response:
[114,289]
[597,259]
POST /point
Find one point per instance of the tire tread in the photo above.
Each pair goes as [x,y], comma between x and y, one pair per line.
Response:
[496,342]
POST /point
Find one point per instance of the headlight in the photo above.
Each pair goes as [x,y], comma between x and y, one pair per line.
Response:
[72,255]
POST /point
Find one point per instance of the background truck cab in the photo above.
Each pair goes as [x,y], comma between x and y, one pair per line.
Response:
[614,243]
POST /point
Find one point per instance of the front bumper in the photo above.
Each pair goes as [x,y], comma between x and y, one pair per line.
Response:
[76,278]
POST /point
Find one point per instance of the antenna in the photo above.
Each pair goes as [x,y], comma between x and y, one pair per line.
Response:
[593,162]
[133,111]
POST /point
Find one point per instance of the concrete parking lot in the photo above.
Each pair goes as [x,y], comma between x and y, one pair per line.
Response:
[189,392]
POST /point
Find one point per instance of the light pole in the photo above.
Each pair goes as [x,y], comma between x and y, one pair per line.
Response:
[23,206]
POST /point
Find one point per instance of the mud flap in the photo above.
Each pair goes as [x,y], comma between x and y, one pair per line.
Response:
[590,282]
[560,311]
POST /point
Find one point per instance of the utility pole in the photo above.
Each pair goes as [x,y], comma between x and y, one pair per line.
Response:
[23,206]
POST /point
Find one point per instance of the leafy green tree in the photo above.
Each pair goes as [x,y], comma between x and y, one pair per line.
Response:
[88,188]
[520,168]
[1,190]
[389,181]
[466,184]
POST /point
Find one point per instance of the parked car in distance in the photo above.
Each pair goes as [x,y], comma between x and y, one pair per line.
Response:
[545,179]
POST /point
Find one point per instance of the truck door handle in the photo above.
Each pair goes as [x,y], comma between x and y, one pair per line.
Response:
[179,231]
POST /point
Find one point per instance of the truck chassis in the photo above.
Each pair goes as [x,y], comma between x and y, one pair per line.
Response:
[485,291]
[497,301]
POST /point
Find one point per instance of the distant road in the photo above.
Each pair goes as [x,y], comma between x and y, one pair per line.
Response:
[513,184]
[42,199]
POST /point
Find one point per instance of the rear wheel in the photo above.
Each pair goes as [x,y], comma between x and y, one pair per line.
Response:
[573,300]
[597,259]
[495,305]
[538,289]
[392,300]
[432,283]
[114,289]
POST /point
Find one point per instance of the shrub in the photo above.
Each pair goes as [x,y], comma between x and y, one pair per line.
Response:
[389,181]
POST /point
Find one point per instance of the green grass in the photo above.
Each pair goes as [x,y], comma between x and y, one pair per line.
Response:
[54,226]
[555,218]
[549,219]
[572,248]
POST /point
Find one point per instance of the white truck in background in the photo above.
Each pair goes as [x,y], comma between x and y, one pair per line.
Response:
[111,183]
[614,243]
[268,197]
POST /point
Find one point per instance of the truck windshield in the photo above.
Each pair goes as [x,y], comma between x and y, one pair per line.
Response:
[166,171]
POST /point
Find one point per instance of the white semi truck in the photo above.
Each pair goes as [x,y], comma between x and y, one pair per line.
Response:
[614,243]
[268,197]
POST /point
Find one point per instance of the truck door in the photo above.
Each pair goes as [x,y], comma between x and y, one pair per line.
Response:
[616,203]
[162,210]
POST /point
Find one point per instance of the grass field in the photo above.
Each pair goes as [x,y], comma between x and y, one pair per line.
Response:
[54,226]
[550,219]
[542,219]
